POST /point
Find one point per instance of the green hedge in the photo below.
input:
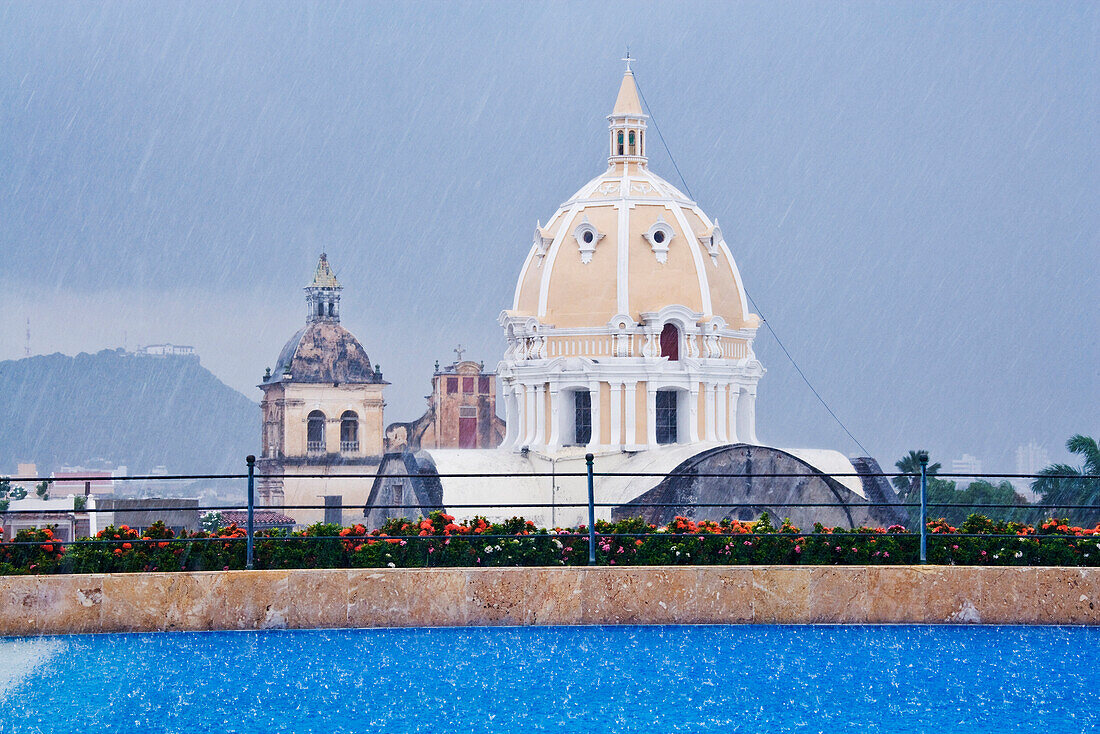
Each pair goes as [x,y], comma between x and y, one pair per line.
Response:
[439,541]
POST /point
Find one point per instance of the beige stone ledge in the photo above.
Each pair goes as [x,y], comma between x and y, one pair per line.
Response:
[251,600]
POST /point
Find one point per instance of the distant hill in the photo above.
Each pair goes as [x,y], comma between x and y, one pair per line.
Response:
[137,411]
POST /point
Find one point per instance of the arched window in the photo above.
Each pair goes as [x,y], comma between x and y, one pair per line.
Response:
[670,342]
[320,309]
[315,431]
[620,142]
[641,142]
[349,431]
[633,148]
[331,308]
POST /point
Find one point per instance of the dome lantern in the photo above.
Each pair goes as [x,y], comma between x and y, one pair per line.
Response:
[627,122]
[323,294]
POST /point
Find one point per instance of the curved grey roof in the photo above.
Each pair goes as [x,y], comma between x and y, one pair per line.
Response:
[324,351]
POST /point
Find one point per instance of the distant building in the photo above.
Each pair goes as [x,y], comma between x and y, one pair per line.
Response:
[321,412]
[178,513]
[97,482]
[56,512]
[165,350]
[461,413]
[1031,458]
[969,466]
[261,519]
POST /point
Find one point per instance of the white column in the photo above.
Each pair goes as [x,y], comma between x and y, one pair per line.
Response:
[708,419]
[616,414]
[594,392]
[750,415]
[554,442]
[693,413]
[735,433]
[721,405]
[529,415]
[540,415]
[631,402]
[511,420]
[651,416]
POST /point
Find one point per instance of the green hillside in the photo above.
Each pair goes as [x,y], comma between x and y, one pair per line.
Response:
[137,411]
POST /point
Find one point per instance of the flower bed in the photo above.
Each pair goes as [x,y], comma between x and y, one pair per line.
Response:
[440,541]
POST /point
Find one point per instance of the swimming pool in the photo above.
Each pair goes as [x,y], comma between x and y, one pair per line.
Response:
[584,679]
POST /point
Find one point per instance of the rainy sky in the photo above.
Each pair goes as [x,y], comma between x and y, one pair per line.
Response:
[911,190]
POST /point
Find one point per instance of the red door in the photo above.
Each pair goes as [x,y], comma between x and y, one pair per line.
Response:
[467,433]
[670,343]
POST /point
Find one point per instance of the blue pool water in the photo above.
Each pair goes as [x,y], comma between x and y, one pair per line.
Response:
[581,679]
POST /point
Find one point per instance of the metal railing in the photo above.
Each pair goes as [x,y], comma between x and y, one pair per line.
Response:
[590,532]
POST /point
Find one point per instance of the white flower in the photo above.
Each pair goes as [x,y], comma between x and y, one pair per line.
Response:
[488,549]
[557,542]
[390,564]
[1019,554]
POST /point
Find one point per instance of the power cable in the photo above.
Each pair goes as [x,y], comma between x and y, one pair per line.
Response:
[747,294]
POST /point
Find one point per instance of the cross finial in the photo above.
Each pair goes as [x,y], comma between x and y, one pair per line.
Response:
[460,350]
[627,59]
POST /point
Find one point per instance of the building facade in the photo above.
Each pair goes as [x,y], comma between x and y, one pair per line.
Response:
[321,412]
[629,328]
[462,413]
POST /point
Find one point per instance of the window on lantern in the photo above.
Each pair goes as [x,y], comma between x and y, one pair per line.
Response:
[633,150]
[620,142]
[331,308]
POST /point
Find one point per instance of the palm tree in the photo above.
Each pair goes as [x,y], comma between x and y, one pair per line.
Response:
[910,464]
[1059,483]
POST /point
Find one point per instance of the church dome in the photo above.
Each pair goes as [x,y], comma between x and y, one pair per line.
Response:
[628,243]
[323,351]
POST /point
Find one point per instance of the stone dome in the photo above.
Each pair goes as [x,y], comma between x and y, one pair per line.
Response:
[324,351]
[627,243]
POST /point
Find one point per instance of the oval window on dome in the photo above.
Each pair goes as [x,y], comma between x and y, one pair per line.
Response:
[588,236]
[659,236]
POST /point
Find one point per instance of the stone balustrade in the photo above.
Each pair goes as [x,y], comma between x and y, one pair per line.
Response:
[254,600]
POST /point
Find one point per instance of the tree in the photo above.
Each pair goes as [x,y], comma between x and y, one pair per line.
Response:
[909,487]
[211,522]
[43,489]
[1062,484]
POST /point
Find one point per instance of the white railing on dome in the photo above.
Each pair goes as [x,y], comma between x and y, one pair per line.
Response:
[596,345]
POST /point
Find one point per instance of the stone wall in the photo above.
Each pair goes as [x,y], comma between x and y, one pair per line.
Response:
[547,596]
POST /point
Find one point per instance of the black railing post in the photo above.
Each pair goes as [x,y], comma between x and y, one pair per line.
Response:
[591,513]
[251,460]
[923,506]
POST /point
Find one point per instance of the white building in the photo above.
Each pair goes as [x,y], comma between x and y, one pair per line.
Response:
[629,328]
[629,337]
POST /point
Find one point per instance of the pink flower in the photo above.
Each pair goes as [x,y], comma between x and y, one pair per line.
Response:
[798,549]
[431,550]
[886,554]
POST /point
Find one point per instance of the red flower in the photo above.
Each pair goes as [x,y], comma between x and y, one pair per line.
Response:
[127,546]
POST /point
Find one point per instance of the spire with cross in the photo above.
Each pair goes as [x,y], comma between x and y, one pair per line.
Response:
[628,59]
[460,350]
